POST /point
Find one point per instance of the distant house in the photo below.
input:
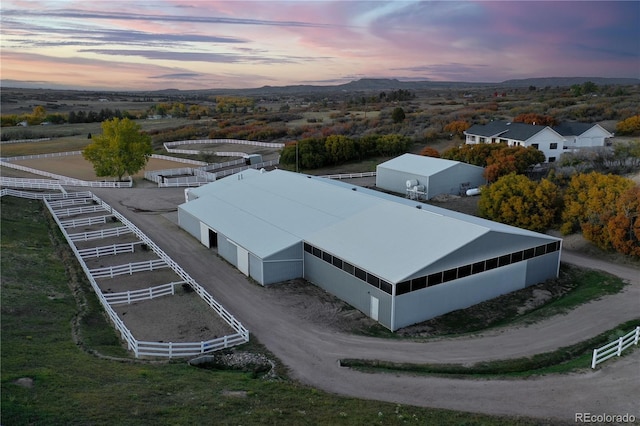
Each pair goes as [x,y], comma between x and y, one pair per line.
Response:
[420,177]
[551,141]
[582,135]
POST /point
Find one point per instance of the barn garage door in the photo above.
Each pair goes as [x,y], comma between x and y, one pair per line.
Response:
[204,234]
[243,260]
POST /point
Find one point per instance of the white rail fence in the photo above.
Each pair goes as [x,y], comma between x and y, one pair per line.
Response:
[242,332]
[99,234]
[24,140]
[615,348]
[350,175]
[31,183]
[169,145]
[63,180]
[39,196]
[128,268]
[74,211]
[128,297]
[178,160]
[142,348]
[70,202]
[86,221]
[108,250]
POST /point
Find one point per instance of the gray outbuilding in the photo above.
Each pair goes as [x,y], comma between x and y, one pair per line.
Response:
[421,177]
[397,260]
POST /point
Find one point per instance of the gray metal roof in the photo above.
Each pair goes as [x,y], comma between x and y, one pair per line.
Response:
[383,234]
[422,165]
[505,130]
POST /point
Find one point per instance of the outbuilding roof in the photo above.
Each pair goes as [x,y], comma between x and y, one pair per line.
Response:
[388,236]
[421,165]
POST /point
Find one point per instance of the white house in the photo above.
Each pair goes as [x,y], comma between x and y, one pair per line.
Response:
[551,141]
[582,135]
[544,138]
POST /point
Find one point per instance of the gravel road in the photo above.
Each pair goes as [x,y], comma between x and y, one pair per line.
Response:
[312,352]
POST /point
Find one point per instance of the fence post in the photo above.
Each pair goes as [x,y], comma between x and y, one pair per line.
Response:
[635,341]
[593,360]
[620,346]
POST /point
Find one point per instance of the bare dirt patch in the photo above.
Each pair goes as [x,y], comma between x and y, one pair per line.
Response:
[75,166]
[184,317]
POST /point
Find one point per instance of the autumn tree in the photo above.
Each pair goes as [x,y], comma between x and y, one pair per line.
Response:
[533,118]
[516,200]
[623,226]
[589,203]
[121,149]
[457,128]
[476,154]
[428,151]
[629,126]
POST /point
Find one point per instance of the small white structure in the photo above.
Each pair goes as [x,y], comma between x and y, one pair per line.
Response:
[422,177]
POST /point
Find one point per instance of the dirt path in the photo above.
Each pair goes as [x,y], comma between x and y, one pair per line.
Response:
[312,352]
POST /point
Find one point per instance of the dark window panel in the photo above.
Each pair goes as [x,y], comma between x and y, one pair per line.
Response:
[348,268]
[516,257]
[491,263]
[477,267]
[529,253]
[307,248]
[403,287]
[540,250]
[504,260]
[317,252]
[361,274]
[337,262]
[434,279]
[418,283]
[326,257]
[449,275]
[464,271]
[373,280]
[386,287]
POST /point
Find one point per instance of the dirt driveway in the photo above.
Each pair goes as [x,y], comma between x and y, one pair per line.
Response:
[312,350]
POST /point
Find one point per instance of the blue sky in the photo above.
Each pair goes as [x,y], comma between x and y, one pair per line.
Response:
[148,45]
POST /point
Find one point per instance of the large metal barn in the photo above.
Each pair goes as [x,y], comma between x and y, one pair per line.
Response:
[397,260]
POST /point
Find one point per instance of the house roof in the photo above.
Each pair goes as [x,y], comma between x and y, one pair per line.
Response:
[383,234]
[422,165]
[505,130]
[573,128]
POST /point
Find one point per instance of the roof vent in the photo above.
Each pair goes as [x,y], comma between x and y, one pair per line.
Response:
[419,207]
[354,189]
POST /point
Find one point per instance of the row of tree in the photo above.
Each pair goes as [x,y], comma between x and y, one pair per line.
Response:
[605,207]
[313,153]
[497,159]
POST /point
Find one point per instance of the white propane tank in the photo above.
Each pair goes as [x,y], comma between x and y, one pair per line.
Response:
[473,191]
[186,194]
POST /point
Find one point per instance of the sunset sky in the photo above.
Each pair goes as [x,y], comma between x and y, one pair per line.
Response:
[148,45]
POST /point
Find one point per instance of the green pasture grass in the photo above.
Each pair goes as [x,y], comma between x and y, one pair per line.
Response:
[42,298]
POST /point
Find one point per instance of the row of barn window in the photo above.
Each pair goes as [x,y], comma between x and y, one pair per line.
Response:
[435,278]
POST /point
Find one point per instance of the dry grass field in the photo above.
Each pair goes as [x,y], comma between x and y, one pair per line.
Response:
[75,166]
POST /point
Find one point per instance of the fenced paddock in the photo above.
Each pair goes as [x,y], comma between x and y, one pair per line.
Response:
[615,348]
[234,334]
